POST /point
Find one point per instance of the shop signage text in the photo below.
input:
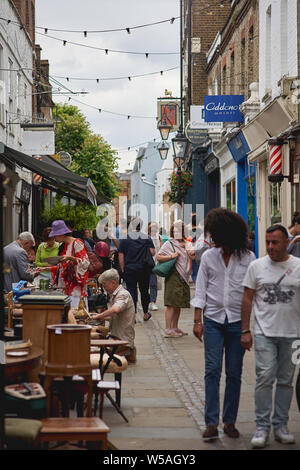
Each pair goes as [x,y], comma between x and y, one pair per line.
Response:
[223,108]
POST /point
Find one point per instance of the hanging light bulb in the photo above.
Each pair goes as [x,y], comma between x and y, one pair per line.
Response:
[128,30]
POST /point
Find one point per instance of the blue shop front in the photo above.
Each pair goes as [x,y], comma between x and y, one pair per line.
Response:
[246,183]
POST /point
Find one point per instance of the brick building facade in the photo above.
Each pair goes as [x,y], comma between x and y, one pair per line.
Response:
[202,20]
[232,63]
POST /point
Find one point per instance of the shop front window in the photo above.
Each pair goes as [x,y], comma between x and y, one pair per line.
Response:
[275,211]
[230,195]
[295,189]
[251,203]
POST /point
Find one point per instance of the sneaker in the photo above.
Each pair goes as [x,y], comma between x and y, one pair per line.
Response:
[210,433]
[260,438]
[283,435]
[153,306]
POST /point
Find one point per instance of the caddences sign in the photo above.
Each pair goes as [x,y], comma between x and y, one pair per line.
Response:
[223,108]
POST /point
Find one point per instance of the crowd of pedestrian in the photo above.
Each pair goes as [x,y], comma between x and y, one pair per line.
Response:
[230,284]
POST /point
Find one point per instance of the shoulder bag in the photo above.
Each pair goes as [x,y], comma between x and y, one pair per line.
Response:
[165,268]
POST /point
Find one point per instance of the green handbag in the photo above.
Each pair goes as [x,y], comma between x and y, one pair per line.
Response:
[165,268]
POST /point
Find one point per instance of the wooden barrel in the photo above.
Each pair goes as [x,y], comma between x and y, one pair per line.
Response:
[68,350]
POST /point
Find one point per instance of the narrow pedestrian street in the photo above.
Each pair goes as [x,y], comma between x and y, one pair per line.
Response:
[163,395]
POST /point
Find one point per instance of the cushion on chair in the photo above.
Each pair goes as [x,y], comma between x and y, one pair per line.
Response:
[21,433]
[113,367]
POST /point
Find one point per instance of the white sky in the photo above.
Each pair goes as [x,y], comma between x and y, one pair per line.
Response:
[135,97]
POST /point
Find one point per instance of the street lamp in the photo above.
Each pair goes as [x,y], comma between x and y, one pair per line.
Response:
[163,149]
[180,142]
[164,127]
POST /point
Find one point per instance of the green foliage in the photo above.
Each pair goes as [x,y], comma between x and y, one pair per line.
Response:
[83,215]
[92,157]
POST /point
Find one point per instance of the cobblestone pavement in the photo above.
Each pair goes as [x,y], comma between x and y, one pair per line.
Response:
[163,395]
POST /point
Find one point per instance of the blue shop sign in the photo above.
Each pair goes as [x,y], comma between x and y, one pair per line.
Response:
[223,108]
[238,147]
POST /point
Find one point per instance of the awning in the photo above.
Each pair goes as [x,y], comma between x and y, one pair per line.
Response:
[270,122]
[54,176]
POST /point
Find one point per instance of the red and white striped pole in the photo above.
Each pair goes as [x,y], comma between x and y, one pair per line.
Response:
[275,160]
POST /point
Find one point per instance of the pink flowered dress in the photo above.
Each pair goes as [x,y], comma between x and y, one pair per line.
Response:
[74,289]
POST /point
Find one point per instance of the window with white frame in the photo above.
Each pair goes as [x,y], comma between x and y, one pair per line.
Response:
[231,195]
[275,206]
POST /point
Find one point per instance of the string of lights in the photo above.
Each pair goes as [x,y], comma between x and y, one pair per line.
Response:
[132,147]
[128,30]
[106,50]
[127,77]
[86,32]
[100,110]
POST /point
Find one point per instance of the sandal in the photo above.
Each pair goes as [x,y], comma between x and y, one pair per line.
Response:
[147,316]
[172,334]
[180,331]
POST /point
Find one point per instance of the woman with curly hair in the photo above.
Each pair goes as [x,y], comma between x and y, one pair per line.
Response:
[218,296]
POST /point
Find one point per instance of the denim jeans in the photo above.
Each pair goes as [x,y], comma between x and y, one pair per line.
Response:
[153,287]
[195,268]
[220,338]
[273,361]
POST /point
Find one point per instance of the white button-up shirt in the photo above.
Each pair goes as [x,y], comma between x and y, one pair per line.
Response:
[219,288]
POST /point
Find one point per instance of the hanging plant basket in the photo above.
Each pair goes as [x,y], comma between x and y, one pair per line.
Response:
[186,183]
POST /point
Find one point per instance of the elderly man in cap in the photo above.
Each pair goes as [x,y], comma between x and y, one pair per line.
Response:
[16,261]
[120,312]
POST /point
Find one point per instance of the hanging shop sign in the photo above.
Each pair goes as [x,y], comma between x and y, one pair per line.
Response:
[168,111]
[23,191]
[196,136]
[212,164]
[223,108]
[197,119]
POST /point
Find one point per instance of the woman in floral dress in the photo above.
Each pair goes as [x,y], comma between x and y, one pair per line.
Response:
[71,274]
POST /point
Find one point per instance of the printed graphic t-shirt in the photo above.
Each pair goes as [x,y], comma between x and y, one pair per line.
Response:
[276,303]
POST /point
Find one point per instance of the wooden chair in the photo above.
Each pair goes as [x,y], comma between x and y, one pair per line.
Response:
[14,311]
[90,430]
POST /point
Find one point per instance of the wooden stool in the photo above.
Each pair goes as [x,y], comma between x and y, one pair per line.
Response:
[74,429]
[66,359]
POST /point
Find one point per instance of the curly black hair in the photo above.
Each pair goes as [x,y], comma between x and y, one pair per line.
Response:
[227,229]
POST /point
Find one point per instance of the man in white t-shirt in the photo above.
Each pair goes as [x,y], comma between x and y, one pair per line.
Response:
[272,289]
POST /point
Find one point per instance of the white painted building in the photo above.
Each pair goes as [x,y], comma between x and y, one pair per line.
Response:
[277,114]
[277,46]
[16,64]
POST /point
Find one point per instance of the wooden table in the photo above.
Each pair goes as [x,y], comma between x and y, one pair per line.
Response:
[21,366]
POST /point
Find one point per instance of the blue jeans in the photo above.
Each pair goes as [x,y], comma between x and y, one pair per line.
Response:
[195,268]
[220,338]
[153,287]
[273,360]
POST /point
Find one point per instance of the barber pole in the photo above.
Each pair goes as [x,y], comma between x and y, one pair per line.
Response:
[275,157]
[36,178]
